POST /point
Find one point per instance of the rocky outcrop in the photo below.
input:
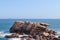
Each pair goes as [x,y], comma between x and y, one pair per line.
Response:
[36,30]
[28,27]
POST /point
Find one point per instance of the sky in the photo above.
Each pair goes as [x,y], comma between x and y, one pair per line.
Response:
[30,9]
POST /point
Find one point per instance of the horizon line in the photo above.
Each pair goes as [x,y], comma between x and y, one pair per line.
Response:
[29,18]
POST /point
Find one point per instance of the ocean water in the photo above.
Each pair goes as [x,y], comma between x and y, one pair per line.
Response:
[5,25]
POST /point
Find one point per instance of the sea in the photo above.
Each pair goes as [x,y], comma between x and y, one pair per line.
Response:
[6,24]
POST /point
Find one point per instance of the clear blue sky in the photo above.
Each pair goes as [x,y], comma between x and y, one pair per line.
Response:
[45,9]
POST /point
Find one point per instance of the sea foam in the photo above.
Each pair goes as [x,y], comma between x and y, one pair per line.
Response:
[16,39]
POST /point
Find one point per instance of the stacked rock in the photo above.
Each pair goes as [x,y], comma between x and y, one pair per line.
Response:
[35,30]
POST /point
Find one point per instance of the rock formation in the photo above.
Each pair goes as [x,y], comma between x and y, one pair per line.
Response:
[34,30]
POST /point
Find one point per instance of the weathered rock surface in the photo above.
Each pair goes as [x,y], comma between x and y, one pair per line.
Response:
[36,30]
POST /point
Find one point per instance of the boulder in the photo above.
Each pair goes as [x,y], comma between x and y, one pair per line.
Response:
[38,31]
